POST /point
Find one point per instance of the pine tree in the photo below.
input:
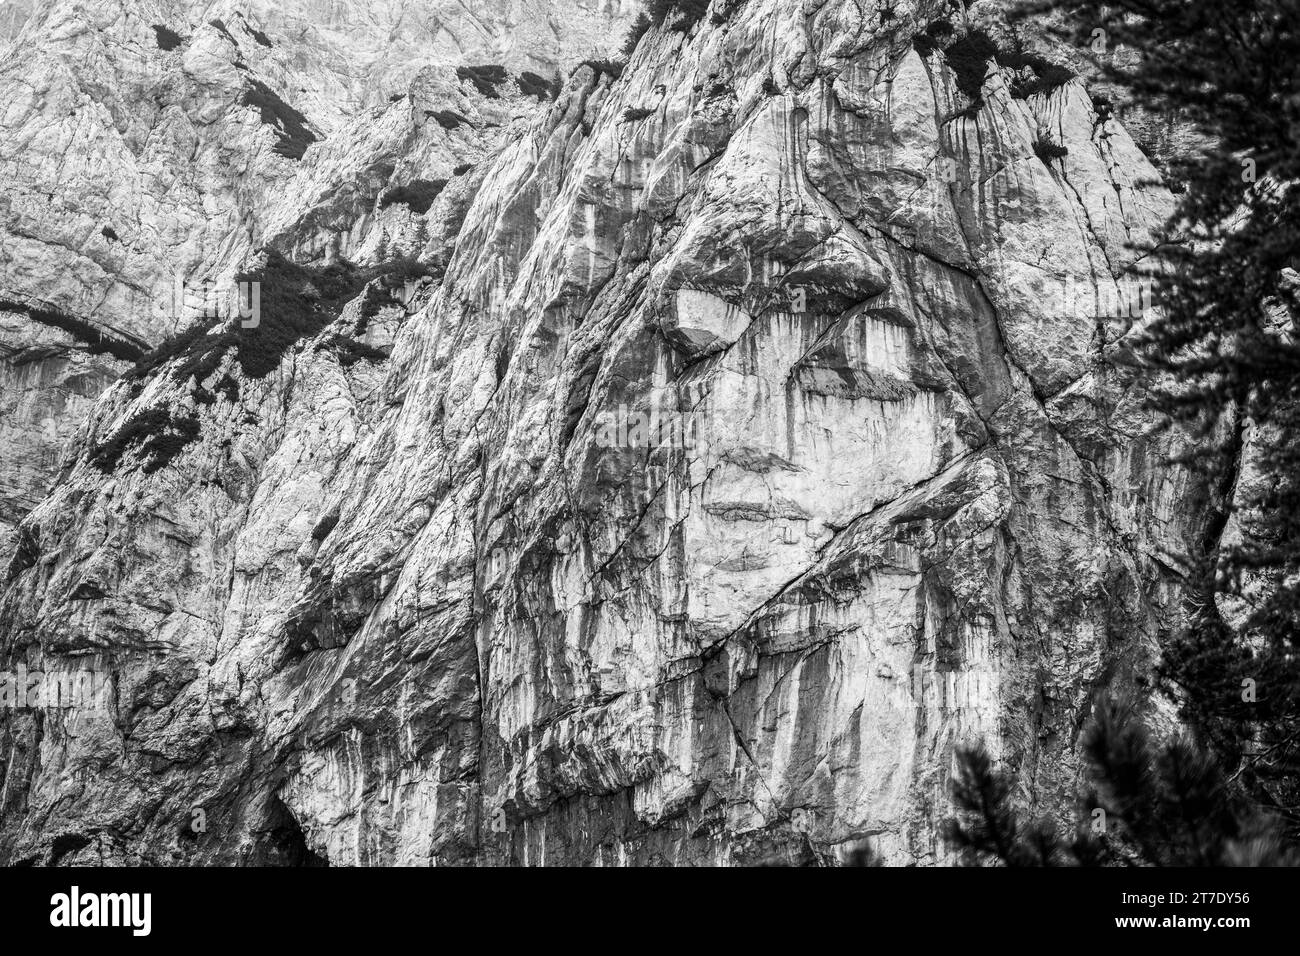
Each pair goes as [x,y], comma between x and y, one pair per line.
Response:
[1148,805]
[420,239]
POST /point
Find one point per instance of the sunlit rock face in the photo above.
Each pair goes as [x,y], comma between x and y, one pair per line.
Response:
[150,148]
[760,441]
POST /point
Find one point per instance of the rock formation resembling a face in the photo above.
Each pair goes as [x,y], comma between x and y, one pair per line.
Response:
[743,435]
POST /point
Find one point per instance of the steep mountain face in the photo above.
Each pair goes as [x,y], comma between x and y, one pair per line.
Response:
[150,147]
[763,432]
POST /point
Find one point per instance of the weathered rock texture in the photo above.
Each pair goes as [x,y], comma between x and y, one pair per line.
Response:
[151,145]
[761,442]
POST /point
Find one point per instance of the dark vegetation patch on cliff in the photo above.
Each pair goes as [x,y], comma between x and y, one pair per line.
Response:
[1048,149]
[485,78]
[418,195]
[1047,76]
[728,7]
[639,28]
[447,119]
[294,136]
[157,435]
[96,340]
[633,113]
[687,13]
[220,27]
[611,68]
[349,351]
[258,35]
[296,302]
[969,58]
[934,37]
[533,84]
[166,39]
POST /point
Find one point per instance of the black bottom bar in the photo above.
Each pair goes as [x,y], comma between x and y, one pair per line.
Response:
[1042,908]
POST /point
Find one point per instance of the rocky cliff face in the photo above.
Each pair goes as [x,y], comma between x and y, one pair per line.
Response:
[759,429]
[150,147]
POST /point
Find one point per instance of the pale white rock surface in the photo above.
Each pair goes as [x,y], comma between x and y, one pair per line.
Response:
[151,147]
[748,457]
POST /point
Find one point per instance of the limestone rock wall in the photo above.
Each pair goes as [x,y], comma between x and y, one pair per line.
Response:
[763,441]
[149,148]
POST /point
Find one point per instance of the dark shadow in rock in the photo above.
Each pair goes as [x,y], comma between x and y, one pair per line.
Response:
[281,842]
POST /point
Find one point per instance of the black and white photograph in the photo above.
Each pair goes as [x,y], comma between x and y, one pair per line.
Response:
[492,435]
